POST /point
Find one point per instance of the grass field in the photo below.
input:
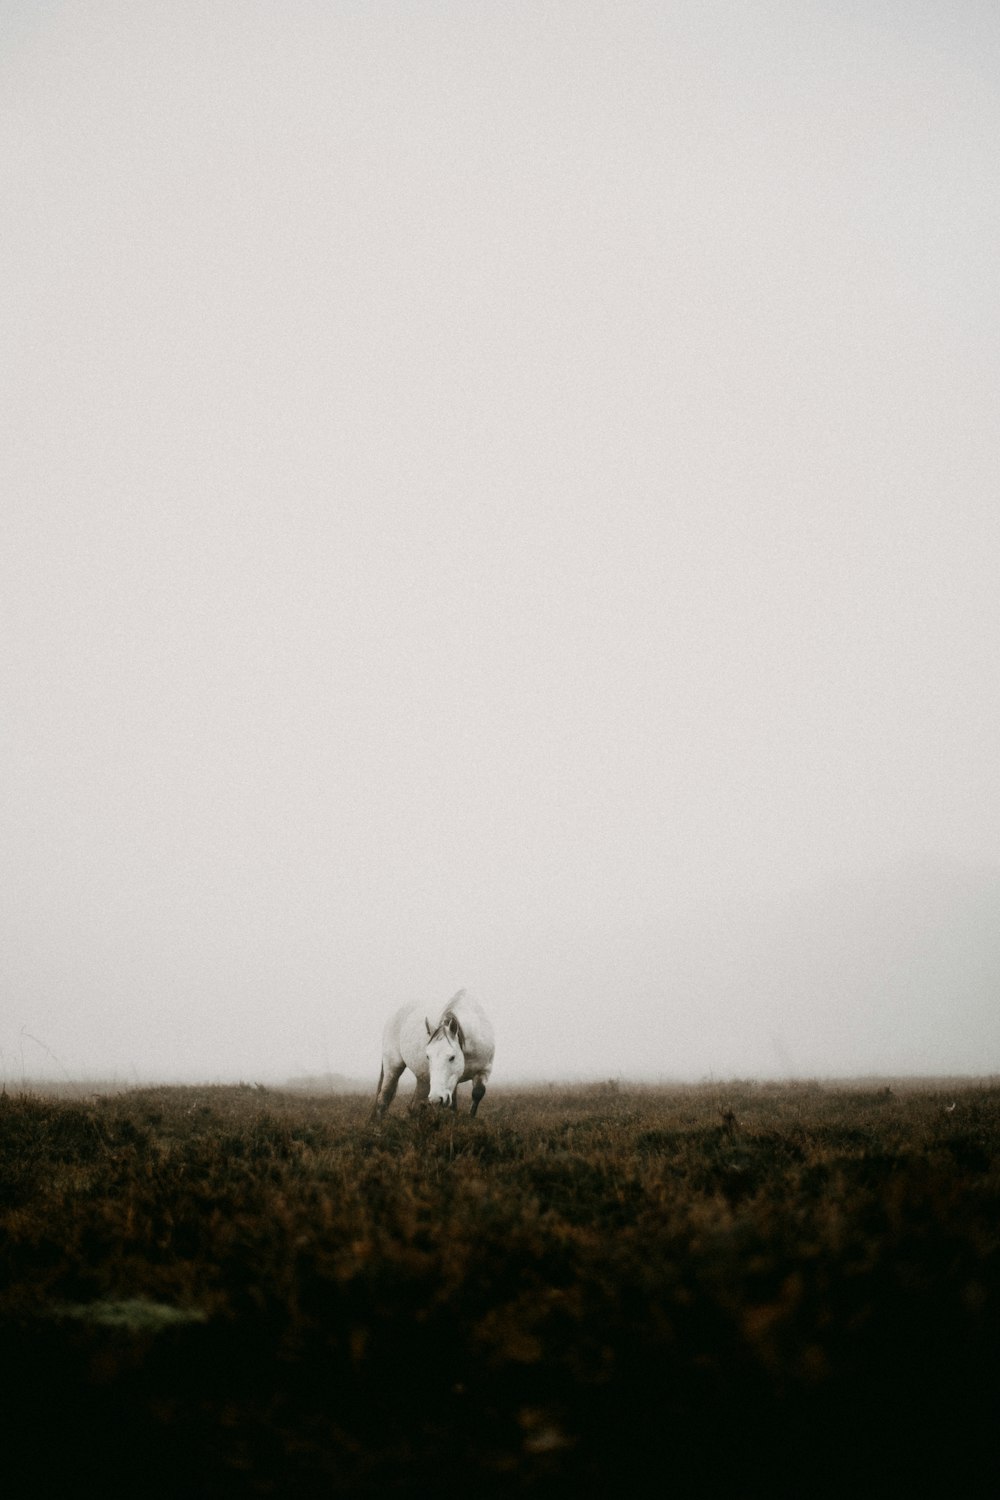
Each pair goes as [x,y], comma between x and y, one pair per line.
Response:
[729,1290]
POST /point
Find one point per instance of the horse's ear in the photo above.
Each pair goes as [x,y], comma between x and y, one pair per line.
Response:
[428,1025]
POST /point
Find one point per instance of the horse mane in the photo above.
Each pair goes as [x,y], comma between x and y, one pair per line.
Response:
[449,1015]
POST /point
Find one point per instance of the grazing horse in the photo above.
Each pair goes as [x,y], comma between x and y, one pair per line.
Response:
[458,1047]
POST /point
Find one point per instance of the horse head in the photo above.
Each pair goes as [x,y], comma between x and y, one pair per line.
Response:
[446,1056]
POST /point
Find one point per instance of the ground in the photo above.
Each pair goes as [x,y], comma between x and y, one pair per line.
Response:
[742,1289]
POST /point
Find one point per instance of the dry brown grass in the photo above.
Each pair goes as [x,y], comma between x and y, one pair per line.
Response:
[745,1288]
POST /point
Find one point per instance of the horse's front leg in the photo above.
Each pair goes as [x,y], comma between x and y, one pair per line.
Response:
[420,1093]
[478,1090]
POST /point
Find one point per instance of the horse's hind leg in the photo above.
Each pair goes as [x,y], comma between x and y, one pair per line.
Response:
[478,1090]
[386,1091]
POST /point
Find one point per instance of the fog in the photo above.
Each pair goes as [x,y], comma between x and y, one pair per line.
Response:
[500,496]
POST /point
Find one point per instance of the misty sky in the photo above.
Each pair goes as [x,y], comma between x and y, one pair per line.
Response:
[500,495]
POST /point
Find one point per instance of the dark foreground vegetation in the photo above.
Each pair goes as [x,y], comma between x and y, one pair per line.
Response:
[781,1290]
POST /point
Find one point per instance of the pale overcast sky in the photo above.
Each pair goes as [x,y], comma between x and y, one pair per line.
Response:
[500,495]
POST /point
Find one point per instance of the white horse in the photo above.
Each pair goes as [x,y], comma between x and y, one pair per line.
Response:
[458,1047]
